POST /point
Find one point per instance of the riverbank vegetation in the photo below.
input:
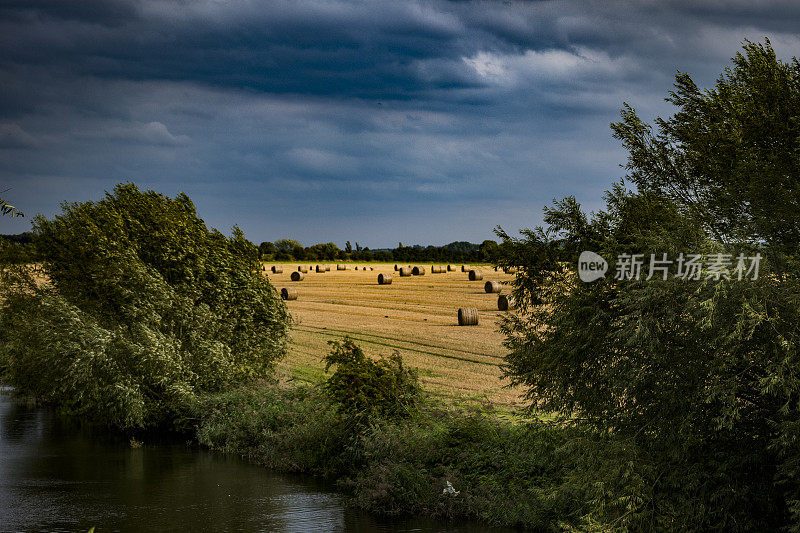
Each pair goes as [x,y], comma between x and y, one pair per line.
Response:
[529,474]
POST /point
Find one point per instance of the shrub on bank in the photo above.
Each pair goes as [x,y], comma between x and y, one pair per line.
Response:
[362,388]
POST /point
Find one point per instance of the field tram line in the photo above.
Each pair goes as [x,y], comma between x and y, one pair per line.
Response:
[395,339]
[360,337]
[411,307]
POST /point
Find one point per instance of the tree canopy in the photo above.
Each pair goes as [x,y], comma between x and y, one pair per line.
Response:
[701,377]
[729,155]
[144,308]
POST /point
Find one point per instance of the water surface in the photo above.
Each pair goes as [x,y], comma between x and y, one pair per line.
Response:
[56,476]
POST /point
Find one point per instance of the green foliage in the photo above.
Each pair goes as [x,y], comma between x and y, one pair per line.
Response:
[362,388]
[289,249]
[288,429]
[489,250]
[8,209]
[266,250]
[529,475]
[730,154]
[145,309]
[700,377]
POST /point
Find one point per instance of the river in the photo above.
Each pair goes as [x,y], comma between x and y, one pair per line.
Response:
[57,476]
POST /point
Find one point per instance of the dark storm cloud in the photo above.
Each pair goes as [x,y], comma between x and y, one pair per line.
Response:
[93,11]
[362,114]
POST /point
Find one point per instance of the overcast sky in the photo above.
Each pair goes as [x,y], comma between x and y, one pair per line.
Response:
[372,121]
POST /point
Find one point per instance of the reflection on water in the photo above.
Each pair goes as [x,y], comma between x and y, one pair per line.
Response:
[56,476]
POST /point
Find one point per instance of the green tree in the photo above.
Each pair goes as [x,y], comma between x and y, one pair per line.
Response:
[489,250]
[700,377]
[145,310]
[285,247]
[327,251]
[730,154]
[298,252]
[266,250]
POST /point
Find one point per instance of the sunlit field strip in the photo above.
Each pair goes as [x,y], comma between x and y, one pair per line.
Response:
[414,315]
[385,338]
[401,345]
[448,378]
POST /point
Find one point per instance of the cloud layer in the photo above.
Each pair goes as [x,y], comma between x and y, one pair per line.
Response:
[370,121]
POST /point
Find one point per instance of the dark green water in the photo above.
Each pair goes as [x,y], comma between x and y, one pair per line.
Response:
[55,476]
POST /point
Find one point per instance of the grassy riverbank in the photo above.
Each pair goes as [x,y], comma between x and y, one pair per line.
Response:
[514,474]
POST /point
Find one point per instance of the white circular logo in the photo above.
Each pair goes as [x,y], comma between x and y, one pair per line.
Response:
[591,266]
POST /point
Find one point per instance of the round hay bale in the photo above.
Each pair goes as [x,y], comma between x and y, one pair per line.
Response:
[320,268]
[418,271]
[435,269]
[370,268]
[467,316]
[451,268]
[405,272]
[303,269]
[297,276]
[327,268]
[396,268]
[384,279]
[289,293]
[465,268]
[493,287]
[504,303]
[277,269]
[264,268]
[475,275]
[341,267]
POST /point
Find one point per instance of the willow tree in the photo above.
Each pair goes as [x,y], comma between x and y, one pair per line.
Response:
[144,310]
[702,377]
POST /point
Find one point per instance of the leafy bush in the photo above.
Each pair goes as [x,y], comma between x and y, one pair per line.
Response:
[145,308]
[362,388]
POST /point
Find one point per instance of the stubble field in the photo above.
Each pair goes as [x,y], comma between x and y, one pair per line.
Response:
[417,316]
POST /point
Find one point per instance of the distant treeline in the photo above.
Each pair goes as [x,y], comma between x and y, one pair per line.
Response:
[456,252]
[291,250]
[17,248]
[22,238]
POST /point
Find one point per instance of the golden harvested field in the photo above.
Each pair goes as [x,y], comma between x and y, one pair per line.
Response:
[415,315]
